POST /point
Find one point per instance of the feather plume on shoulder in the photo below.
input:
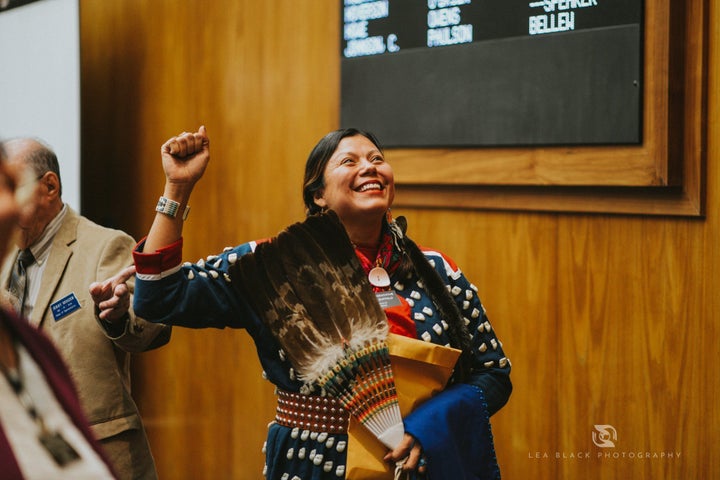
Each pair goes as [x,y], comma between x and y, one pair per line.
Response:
[309,288]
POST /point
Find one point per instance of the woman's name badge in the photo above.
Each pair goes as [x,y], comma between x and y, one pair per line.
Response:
[379,277]
[387,299]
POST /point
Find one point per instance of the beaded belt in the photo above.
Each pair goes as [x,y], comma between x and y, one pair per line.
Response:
[311,412]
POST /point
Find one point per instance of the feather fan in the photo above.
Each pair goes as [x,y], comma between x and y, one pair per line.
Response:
[310,290]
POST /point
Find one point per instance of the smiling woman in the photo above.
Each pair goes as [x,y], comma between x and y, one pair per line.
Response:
[354,180]
[323,301]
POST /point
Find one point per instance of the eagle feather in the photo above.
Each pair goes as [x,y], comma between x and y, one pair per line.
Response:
[310,290]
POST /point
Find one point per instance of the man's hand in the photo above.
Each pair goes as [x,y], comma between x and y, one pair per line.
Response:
[112,296]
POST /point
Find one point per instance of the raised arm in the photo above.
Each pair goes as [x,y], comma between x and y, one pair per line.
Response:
[184,159]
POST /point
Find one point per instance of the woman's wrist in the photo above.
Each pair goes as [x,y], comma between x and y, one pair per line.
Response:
[178,192]
[171,208]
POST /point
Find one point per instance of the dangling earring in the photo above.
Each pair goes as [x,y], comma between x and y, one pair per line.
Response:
[389,217]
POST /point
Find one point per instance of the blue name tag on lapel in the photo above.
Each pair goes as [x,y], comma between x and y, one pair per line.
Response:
[65,306]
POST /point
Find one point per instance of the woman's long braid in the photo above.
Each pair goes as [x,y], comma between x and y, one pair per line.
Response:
[414,259]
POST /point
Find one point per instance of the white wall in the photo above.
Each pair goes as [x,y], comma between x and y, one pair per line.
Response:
[40,82]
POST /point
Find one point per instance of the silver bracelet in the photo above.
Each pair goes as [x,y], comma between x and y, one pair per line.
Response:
[170,208]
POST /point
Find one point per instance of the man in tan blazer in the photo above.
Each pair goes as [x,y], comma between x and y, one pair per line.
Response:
[69,253]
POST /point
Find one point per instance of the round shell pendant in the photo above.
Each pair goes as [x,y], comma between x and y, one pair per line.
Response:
[379,277]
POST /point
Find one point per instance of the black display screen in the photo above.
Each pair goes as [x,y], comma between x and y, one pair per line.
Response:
[493,72]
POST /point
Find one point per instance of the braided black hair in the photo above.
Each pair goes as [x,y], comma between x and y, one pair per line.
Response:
[414,260]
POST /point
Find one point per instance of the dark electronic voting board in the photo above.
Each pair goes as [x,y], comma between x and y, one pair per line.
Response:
[463,73]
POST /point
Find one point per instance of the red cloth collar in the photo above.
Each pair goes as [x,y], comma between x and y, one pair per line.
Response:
[400,316]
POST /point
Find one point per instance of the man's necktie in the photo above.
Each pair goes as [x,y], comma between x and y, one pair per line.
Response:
[18,280]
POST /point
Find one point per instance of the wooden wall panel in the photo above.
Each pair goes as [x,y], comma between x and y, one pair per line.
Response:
[606,319]
[620,365]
